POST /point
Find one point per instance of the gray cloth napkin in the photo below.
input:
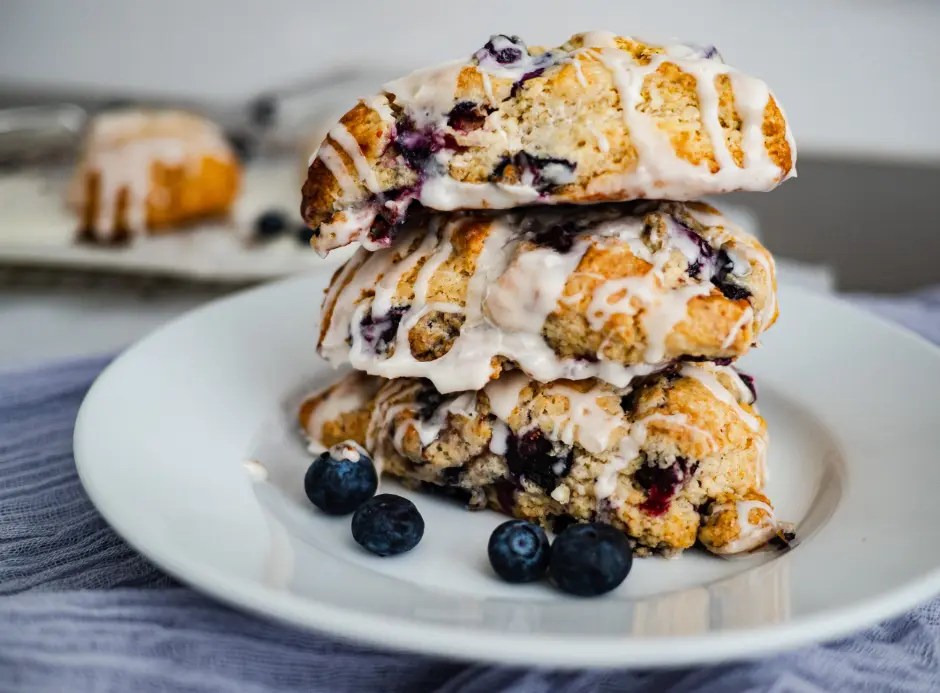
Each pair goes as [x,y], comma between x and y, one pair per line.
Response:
[81,611]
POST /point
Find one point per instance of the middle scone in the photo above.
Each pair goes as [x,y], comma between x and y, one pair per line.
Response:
[608,291]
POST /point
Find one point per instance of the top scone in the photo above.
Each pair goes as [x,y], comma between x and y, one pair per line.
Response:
[601,118]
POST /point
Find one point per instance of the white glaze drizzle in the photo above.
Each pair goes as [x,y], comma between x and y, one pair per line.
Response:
[747,315]
[334,162]
[750,535]
[708,378]
[342,137]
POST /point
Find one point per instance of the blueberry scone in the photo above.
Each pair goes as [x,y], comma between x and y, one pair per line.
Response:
[146,171]
[668,462]
[600,118]
[610,291]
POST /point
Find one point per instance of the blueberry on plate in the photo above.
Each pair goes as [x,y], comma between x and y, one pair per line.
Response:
[270,224]
[519,551]
[387,525]
[304,234]
[341,479]
[590,559]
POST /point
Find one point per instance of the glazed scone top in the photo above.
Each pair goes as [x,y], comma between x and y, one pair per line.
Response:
[601,118]
[121,147]
[609,291]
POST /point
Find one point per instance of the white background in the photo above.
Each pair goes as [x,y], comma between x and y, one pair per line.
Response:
[855,77]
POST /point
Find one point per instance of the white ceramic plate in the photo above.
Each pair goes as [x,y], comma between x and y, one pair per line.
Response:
[162,439]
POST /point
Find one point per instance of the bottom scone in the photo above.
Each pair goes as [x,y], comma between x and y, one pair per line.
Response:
[679,457]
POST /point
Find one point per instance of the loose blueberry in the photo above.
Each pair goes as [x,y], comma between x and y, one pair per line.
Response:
[341,479]
[263,111]
[304,234]
[271,224]
[590,559]
[387,525]
[519,551]
[244,146]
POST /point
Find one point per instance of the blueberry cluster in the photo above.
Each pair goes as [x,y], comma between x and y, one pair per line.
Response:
[343,480]
[273,224]
[585,560]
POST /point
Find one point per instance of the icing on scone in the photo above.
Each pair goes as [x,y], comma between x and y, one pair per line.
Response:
[426,136]
[530,266]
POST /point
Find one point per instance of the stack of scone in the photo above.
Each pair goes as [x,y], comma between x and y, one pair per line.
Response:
[540,317]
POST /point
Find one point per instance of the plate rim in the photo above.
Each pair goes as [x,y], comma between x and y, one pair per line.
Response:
[463,643]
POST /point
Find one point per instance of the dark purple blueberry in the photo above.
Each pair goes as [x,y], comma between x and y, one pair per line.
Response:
[723,267]
[706,253]
[428,401]
[262,112]
[504,50]
[517,85]
[341,479]
[467,116]
[450,476]
[534,457]
[661,483]
[304,234]
[387,525]
[379,332]
[271,224]
[519,551]
[561,522]
[541,172]
[417,145]
[751,385]
[590,559]
[392,211]
[244,146]
[709,53]
[559,237]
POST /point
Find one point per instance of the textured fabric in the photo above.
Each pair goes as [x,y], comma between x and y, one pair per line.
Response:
[80,611]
